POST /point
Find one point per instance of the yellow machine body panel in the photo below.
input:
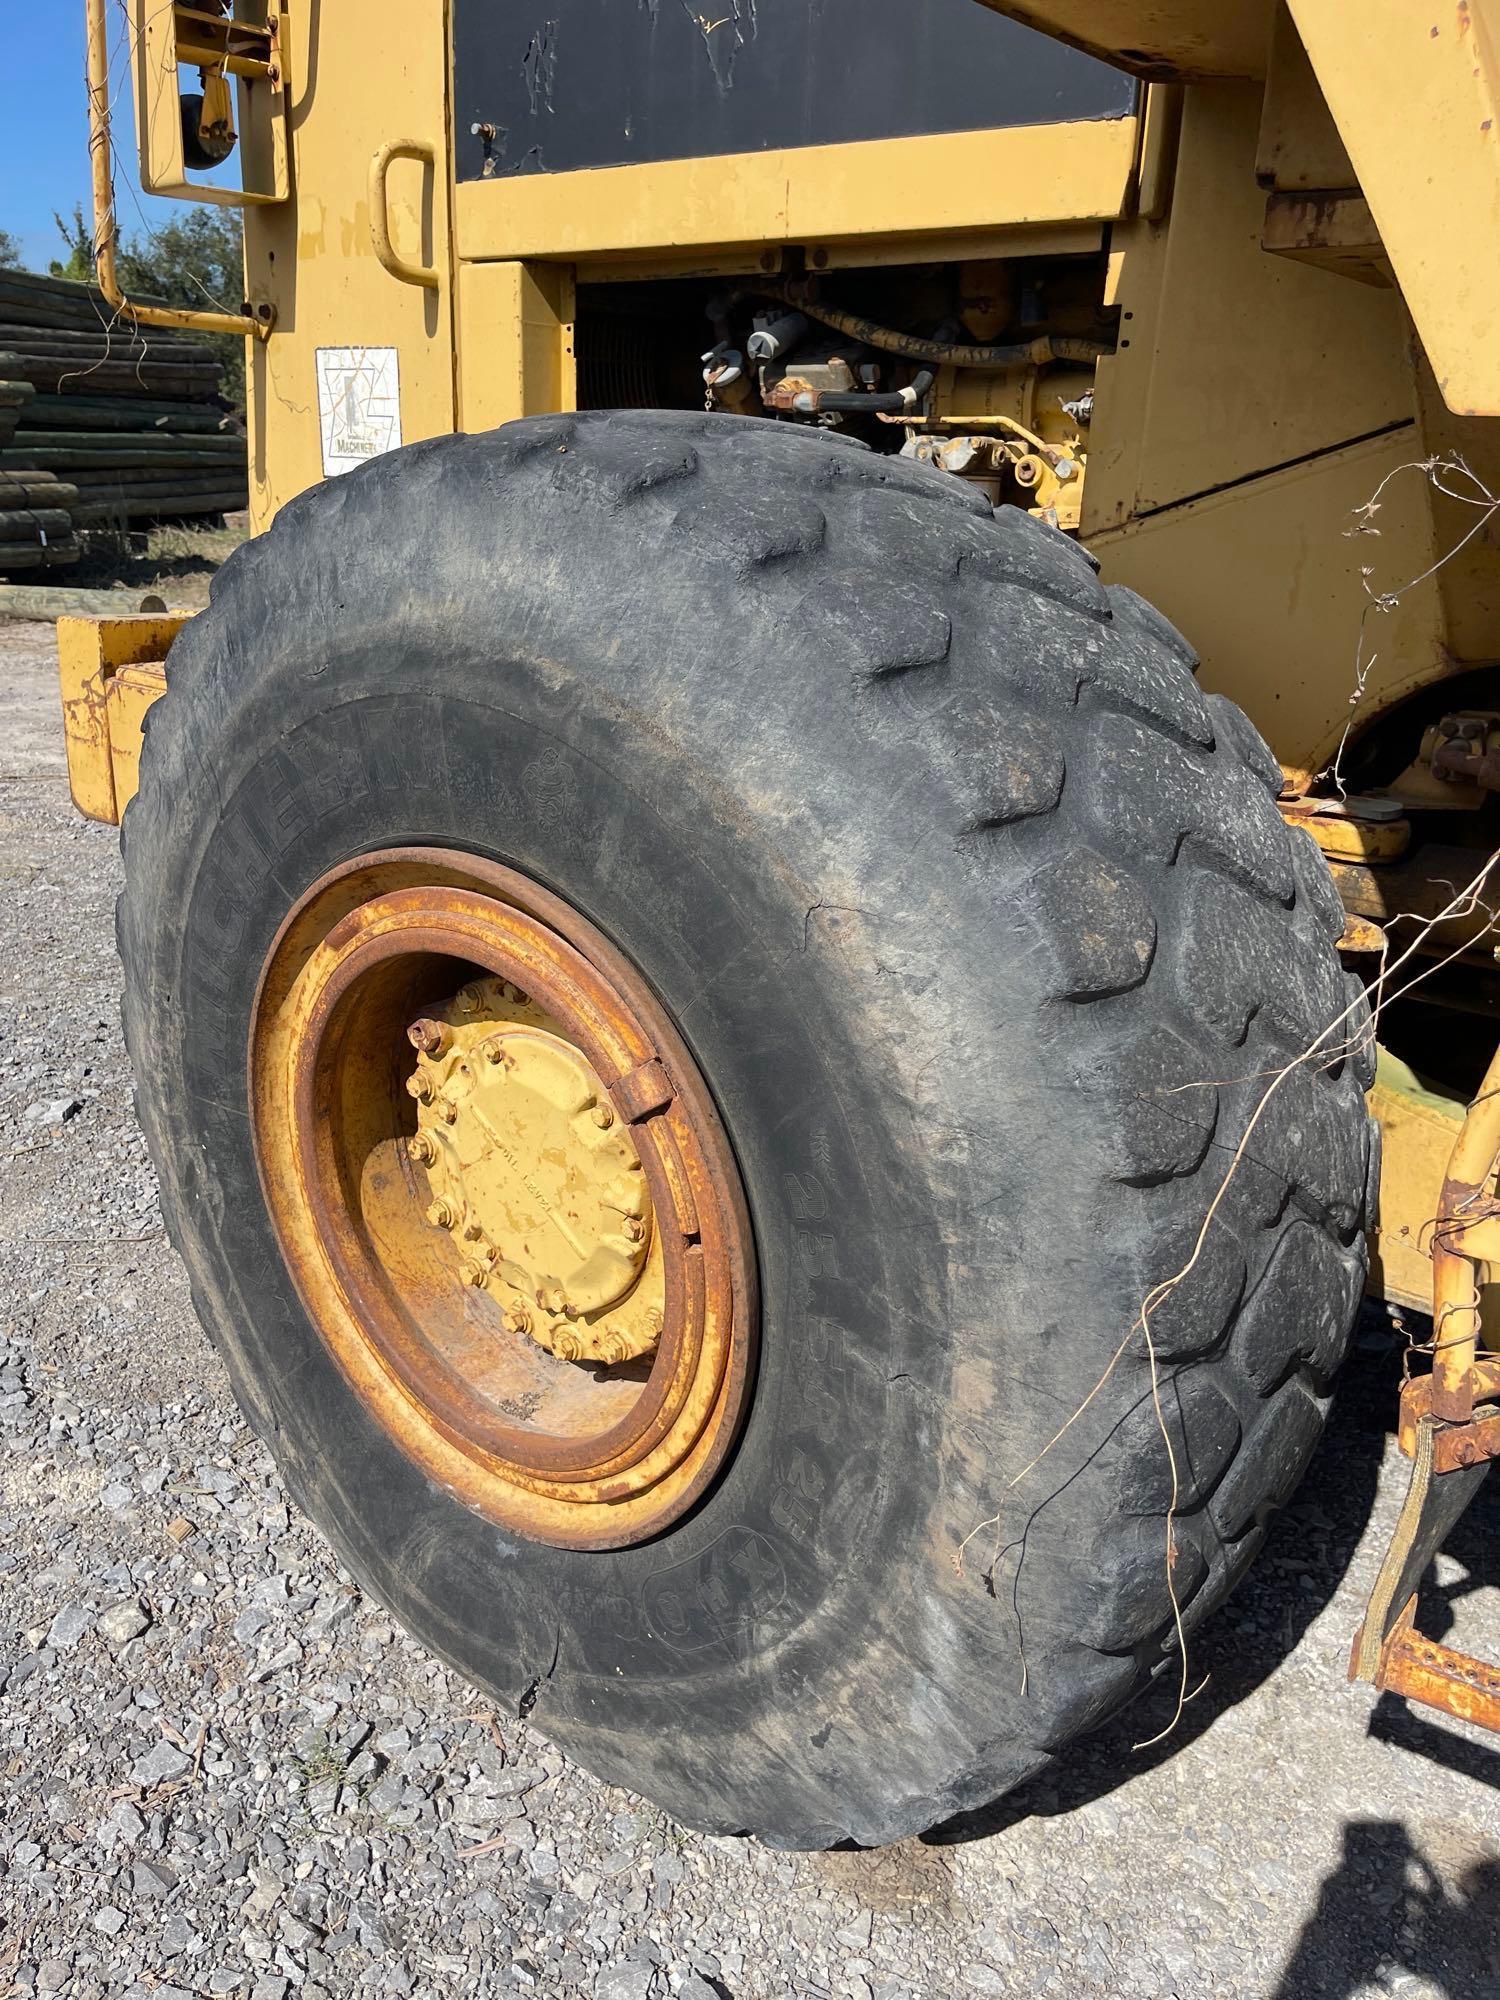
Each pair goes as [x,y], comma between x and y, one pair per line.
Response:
[342,319]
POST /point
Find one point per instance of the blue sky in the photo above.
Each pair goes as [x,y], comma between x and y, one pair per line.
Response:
[44,128]
[44,123]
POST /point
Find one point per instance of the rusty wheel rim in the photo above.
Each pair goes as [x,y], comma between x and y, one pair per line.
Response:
[417,985]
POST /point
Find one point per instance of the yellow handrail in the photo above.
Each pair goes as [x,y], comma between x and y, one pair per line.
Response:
[105,232]
[380,222]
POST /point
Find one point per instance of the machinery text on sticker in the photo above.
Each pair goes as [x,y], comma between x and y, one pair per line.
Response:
[359,405]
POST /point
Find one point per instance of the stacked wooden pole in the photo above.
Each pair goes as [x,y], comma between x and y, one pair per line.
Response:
[36,522]
[126,420]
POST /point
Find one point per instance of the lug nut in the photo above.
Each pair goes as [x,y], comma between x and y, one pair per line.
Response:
[603,1117]
[615,1348]
[420,1148]
[475,1274]
[517,1318]
[431,1037]
[635,1229]
[422,1087]
[447,1110]
[440,1215]
[567,1346]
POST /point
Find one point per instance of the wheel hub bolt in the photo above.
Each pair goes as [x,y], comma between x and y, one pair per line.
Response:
[603,1117]
[420,1148]
[421,1087]
[431,1037]
[440,1215]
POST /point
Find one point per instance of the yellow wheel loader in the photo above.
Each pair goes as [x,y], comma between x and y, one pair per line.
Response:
[755,920]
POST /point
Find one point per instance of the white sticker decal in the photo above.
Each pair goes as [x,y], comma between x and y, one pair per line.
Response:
[359,405]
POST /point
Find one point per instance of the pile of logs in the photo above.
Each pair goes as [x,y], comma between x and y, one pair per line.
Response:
[103,423]
[36,522]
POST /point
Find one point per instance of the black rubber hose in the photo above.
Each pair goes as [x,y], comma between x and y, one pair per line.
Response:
[893,402]
[942,353]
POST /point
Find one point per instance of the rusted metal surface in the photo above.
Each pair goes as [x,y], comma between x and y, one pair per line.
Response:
[1423,885]
[1432,1506]
[1360,934]
[1453,1445]
[360,976]
[1420,1669]
[1467,750]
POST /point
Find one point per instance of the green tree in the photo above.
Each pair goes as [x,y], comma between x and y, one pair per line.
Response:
[79,238]
[10,252]
[195,259]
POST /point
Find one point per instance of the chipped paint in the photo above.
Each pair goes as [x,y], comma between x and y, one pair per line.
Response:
[724,34]
[539,67]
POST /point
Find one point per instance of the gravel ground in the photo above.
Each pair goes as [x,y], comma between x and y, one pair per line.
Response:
[223,1771]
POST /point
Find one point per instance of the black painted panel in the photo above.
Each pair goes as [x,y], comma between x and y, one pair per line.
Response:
[597,83]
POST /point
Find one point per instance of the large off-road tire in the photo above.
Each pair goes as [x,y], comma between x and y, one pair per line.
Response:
[980,923]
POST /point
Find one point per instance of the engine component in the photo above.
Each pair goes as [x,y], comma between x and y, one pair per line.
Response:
[1049,476]
[955,354]
[1464,749]
[774,339]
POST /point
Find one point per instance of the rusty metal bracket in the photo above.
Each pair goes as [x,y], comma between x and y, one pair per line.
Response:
[1451,1436]
[1454,1445]
[642,1090]
[1432,1506]
[1420,1669]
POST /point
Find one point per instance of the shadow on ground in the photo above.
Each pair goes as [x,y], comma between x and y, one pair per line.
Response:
[1387,1909]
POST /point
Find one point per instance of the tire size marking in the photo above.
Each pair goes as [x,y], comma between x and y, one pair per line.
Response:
[718,1596]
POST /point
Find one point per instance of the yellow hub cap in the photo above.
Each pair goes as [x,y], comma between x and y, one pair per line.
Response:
[534,1177]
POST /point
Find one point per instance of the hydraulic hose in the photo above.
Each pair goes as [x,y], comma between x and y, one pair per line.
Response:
[941,353]
[891,402]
